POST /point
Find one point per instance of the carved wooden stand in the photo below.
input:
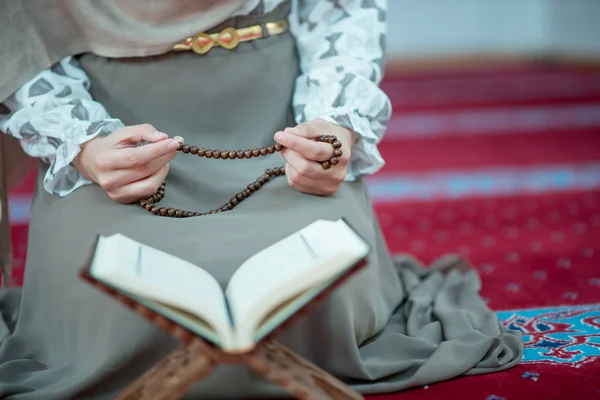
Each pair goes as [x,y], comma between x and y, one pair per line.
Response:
[174,376]
[181,369]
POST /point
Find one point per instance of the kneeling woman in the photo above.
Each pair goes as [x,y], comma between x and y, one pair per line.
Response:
[115,74]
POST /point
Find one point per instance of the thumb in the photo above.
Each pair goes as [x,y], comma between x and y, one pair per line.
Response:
[138,133]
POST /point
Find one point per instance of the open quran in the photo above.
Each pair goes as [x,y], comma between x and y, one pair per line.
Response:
[236,325]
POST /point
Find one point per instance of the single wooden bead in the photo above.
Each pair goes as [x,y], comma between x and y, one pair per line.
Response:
[240,154]
[240,196]
[216,154]
[251,187]
[148,207]
[337,144]
[334,161]
[261,180]
[171,212]
[232,154]
[163,211]
[323,138]
[178,213]
[179,146]
[201,151]
[269,171]
[255,152]
[256,185]
[208,153]
[263,151]
[188,214]
[186,148]
[247,192]
[234,202]
[270,149]
[331,139]
[266,177]
[248,153]
[326,164]
[282,170]
[338,153]
[154,210]
[277,147]
[194,149]
[276,172]
[143,203]
[224,154]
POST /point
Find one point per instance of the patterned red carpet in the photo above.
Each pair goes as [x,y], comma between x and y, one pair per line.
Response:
[504,168]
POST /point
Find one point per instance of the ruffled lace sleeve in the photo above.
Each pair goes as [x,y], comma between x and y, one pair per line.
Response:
[52,115]
[341,46]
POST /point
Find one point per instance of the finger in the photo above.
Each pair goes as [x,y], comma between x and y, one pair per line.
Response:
[133,157]
[316,151]
[139,189]
[306,185]
[305,131]
[304,167]
[308,131]
[121,177]
[137,133]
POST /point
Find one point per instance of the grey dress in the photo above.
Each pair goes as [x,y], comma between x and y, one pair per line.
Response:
[392,326]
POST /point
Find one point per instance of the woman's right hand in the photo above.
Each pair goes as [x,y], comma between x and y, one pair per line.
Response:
[125,172]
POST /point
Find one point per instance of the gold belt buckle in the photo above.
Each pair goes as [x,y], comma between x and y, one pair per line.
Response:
[228,38]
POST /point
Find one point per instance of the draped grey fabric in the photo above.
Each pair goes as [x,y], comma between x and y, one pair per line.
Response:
[34,35]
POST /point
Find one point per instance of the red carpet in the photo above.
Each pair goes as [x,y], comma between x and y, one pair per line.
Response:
[503,167]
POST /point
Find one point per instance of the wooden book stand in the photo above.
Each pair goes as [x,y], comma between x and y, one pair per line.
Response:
[174,376]
[180,370]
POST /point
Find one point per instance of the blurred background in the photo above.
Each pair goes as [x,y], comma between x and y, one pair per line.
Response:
[446,30]
[493,153]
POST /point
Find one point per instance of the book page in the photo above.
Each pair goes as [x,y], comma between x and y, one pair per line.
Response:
[289,268]
[287,309]
[163,278]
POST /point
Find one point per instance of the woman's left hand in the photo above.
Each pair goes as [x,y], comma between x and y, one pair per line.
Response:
[303,156]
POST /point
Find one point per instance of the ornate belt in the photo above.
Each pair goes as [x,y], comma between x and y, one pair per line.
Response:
[229,38]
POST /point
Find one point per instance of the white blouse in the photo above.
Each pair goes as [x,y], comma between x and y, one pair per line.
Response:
[341,51]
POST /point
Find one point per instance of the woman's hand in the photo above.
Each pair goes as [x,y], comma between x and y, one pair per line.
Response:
[125,172]
[303,154]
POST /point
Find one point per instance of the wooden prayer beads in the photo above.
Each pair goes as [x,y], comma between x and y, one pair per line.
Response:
[150,202]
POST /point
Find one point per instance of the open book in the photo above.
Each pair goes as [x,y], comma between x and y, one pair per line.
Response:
[265,291]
